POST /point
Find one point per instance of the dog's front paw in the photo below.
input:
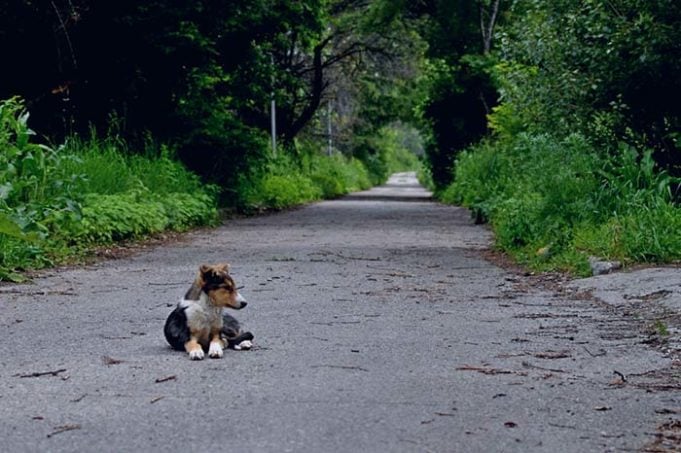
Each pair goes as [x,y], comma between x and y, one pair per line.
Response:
[196,354]
[215,350]
[243,346]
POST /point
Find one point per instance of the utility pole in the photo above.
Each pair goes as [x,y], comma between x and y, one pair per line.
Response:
[273,112]
[328,129]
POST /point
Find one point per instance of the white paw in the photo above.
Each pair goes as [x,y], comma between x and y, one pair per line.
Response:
[215,350]
[196,354]
[244,345]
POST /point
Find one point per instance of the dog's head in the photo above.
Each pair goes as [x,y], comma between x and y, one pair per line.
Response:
[219,285]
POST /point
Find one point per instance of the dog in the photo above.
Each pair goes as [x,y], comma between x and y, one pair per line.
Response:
[199,323]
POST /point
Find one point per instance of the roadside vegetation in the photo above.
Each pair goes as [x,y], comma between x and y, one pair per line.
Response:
[558,122]
[58,203]
[156,116]
[579,155]
[553,203]
[284,180]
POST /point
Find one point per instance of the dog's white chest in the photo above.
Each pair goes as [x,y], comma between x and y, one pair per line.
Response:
[201,314]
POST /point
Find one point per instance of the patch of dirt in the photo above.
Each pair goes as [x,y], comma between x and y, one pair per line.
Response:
[667,438]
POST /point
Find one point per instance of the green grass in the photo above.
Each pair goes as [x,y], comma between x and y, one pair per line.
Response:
[285,182]
[57,202]
[108,167]
[553,203]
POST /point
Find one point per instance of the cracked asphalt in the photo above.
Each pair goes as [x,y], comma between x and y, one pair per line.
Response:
[381,325]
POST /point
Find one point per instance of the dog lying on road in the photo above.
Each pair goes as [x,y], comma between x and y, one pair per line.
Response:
[199,322]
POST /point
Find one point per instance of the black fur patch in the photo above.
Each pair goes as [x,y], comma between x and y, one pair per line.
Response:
[176,329]
[230,326]
[231,342]
[231,331]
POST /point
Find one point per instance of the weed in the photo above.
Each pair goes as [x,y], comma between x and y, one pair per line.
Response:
[661,328]
[285,182]
[54,201]
[552,202]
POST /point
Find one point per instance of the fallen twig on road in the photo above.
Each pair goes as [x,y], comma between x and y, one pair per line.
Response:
[172,377]
[536,367]
[621,376]
[110,360]
[552,354]
[79,399]
[600,353]
[64,428]
[490,371]
[43,373]
[344,367]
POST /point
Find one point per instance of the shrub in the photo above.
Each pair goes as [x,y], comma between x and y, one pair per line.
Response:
[54,201]
[116,217]
[552,202]
[285,182]
[282,191]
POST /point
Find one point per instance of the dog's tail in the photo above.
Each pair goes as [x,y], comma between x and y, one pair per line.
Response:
[231,331]
[233,343]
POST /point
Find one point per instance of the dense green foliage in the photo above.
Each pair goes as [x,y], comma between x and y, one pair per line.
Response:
[56,201]
[456,84]
[168,82]
[584,145]
[556,120]
[611,70]
[553,203]
[200,76]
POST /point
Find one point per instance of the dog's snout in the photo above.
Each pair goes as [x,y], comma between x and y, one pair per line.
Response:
[240,299]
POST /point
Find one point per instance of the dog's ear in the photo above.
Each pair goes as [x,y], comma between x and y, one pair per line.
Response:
[213,274]
[209,273]
[222,267]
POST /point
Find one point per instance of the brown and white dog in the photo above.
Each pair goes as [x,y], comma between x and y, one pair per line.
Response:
[199,322]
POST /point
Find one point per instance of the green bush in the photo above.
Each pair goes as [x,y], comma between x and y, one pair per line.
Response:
[115,217]
[285,182]
[552,202]
[356,175]
[337,175]
[328,175]
[107,166]
[56,201]
[281,191]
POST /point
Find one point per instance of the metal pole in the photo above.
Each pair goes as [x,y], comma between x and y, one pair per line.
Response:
[328,129]
[273,112]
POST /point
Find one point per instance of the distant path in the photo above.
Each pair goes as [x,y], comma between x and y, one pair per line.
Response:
[379,328]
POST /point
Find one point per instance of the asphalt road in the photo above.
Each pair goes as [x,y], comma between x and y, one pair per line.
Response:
[379,327]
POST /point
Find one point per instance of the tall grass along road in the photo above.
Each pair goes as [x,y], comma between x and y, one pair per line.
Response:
[379,326]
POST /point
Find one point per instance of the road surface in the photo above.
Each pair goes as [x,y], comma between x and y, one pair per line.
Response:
[379,327]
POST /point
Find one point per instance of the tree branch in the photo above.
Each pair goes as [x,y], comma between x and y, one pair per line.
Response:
[487,30]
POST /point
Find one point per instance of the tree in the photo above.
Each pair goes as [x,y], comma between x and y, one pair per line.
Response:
[610,70]
[201,74]
[460,90]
